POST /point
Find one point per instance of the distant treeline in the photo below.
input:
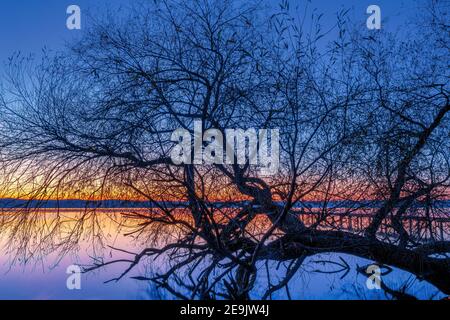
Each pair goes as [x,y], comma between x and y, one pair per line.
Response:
[10,203]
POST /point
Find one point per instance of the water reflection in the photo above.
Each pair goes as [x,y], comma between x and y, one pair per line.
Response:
[38,246]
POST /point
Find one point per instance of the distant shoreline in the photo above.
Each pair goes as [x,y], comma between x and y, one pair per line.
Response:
[9,203]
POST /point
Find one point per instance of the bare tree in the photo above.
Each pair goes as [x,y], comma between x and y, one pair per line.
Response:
[363,119]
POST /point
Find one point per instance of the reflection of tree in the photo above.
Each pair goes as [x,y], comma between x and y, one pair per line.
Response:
[363,117]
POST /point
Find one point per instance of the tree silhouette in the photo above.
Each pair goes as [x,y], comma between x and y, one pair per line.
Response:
[363,120]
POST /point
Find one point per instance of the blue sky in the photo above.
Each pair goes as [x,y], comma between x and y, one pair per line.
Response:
[30,25]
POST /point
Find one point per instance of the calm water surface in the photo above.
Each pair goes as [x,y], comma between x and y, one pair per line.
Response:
[36,255]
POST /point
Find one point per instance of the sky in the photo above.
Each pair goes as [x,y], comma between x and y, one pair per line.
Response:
[30,25]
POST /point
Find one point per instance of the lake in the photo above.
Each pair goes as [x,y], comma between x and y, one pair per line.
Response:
[38,248]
